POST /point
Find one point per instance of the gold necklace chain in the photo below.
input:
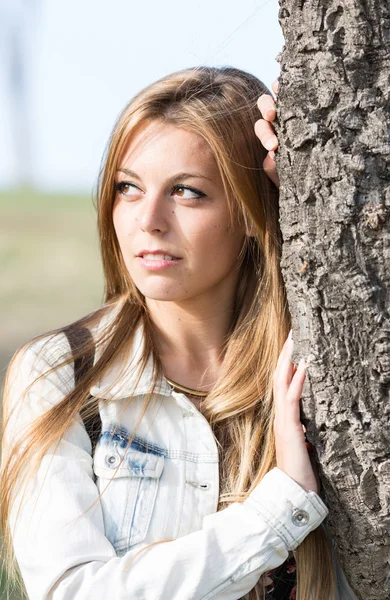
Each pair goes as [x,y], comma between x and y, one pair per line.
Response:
[181,388]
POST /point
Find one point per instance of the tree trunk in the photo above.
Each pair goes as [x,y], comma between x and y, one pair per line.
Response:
[334,167]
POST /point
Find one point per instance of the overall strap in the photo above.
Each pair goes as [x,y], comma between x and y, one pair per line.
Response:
[77,338]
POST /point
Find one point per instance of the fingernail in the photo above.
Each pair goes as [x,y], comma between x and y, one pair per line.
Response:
[302,364]
[271,142]
[271,154]
[290,334]
[270,113]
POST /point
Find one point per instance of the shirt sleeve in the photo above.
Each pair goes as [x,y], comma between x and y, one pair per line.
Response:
[62,550]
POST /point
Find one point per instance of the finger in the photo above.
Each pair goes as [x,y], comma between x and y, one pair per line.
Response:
[266,134]
[295,390]
[287,349]
[270,168]
[275,87]
[284,374]
[287,400]
[267,107]
[284,369]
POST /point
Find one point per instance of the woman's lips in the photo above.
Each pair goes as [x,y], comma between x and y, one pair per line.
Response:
[157,262]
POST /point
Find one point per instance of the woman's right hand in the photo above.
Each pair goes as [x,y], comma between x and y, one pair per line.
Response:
[266,133]
[292,455]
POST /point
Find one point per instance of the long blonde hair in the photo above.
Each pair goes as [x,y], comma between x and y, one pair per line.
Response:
[218,104]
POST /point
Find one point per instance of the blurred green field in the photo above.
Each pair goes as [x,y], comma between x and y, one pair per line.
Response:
[50,265]
[50,268]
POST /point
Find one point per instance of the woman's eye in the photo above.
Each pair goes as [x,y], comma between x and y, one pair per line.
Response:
[127,189]
[188,192]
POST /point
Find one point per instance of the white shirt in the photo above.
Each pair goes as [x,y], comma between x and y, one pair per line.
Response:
[166,488]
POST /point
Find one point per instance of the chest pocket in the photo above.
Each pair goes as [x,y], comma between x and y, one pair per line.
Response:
[128,492]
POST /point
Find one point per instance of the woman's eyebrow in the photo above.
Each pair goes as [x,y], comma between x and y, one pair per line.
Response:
[190,176]
[176,177]
[130,173]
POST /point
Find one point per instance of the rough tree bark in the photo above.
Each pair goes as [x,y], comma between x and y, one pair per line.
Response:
[334,166]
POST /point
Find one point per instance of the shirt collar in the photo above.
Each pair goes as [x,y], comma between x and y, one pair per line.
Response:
[123,378]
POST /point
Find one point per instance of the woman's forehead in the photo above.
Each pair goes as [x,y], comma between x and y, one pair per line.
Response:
[167,144]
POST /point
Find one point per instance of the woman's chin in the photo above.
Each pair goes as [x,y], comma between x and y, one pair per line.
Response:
[163,293]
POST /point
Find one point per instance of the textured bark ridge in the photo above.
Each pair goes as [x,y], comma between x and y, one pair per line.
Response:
[334,166]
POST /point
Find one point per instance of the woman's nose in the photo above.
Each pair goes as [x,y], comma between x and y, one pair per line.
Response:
[153,214]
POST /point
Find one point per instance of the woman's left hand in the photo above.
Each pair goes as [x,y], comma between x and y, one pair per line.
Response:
[292,455]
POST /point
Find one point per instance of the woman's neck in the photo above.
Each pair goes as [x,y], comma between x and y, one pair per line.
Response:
[190,340]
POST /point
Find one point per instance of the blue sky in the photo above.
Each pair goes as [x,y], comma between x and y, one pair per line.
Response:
[85,59]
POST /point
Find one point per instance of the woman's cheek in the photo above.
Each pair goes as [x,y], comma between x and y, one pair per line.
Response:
[122,221]
[116,218]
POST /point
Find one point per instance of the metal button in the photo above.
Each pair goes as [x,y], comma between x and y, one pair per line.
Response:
[299,517]
[112,460]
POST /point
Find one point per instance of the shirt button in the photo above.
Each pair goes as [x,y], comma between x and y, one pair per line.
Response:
[299,517]
[112,460]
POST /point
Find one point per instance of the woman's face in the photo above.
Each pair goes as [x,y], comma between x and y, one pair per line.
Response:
[171,216]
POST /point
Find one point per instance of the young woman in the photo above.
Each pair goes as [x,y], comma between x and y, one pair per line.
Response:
[153,449]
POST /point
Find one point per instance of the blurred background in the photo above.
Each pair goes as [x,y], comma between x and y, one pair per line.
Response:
[67,68]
